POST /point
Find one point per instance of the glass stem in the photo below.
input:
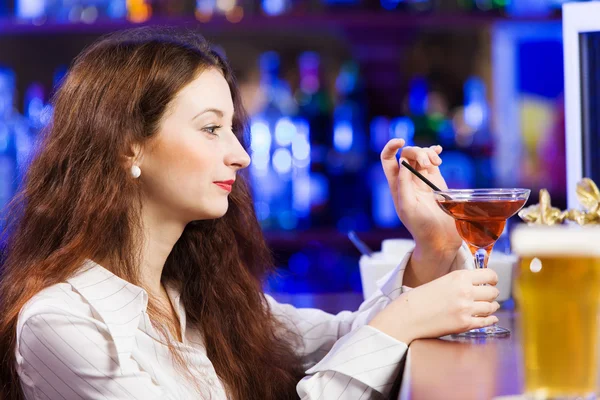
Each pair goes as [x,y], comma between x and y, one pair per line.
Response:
[481,259]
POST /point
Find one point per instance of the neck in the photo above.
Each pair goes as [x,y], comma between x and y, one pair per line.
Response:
[160,235]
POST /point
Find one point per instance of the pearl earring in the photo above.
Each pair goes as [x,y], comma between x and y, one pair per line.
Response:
[136,171]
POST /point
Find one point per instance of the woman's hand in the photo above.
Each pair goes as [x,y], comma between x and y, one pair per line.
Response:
[454,303]
[414,200]
[437,240]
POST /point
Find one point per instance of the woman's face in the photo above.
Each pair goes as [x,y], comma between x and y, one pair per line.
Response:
[188,168]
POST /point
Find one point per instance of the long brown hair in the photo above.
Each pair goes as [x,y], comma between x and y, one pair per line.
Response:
[78,202]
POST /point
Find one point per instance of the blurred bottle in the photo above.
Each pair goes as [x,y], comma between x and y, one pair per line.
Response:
[383,213]
[315,106]
[303,189]
[8,154]
[476,111]
[279,98]
[16,141]
[477,123]
[349,136]
[417,106]
[347,158]
[273,132]
[35,119]
[34,106]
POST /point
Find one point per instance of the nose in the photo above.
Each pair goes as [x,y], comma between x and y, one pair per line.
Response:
[237,158]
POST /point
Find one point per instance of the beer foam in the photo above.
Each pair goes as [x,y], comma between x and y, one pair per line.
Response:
[560,240]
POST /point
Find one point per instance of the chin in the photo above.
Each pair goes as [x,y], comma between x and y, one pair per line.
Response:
[214,212]
[220,215]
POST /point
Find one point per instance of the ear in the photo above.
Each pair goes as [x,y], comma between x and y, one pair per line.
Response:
[134,156]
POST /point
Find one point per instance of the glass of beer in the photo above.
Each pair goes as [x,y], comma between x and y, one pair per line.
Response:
[557,289]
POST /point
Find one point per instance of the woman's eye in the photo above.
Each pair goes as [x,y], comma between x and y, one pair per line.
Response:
[212,129]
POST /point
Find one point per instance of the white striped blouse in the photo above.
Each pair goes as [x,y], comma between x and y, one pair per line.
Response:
[91,338]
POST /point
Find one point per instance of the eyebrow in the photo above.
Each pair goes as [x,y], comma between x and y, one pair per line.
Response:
[212,110]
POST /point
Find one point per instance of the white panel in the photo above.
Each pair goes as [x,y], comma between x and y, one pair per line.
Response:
[577,18]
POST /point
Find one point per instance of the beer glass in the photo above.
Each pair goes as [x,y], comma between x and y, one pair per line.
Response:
[557,289]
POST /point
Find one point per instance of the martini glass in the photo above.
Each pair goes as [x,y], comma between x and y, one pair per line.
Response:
[480,216]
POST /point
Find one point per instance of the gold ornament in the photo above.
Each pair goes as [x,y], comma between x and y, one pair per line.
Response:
[543,213]
[589,197]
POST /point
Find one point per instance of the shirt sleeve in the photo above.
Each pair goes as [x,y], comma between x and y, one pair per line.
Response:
[346,358]
[320,330]
[62,356]
[364,364]
[464,259]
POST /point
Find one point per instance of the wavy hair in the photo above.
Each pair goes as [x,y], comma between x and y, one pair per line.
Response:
[78,202]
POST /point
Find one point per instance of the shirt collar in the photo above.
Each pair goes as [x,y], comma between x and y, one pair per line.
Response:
[120,304]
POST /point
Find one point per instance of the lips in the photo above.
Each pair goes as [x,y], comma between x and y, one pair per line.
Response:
[225,185]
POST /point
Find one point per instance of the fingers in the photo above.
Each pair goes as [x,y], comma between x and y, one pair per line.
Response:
[405,178]
[484,276]
[433,154]
[389,161]
[424,158]
[400,179]
[485,308]
[391,148]
[485,293]
[482,322]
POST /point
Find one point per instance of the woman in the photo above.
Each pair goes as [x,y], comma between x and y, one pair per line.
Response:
[134,257]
